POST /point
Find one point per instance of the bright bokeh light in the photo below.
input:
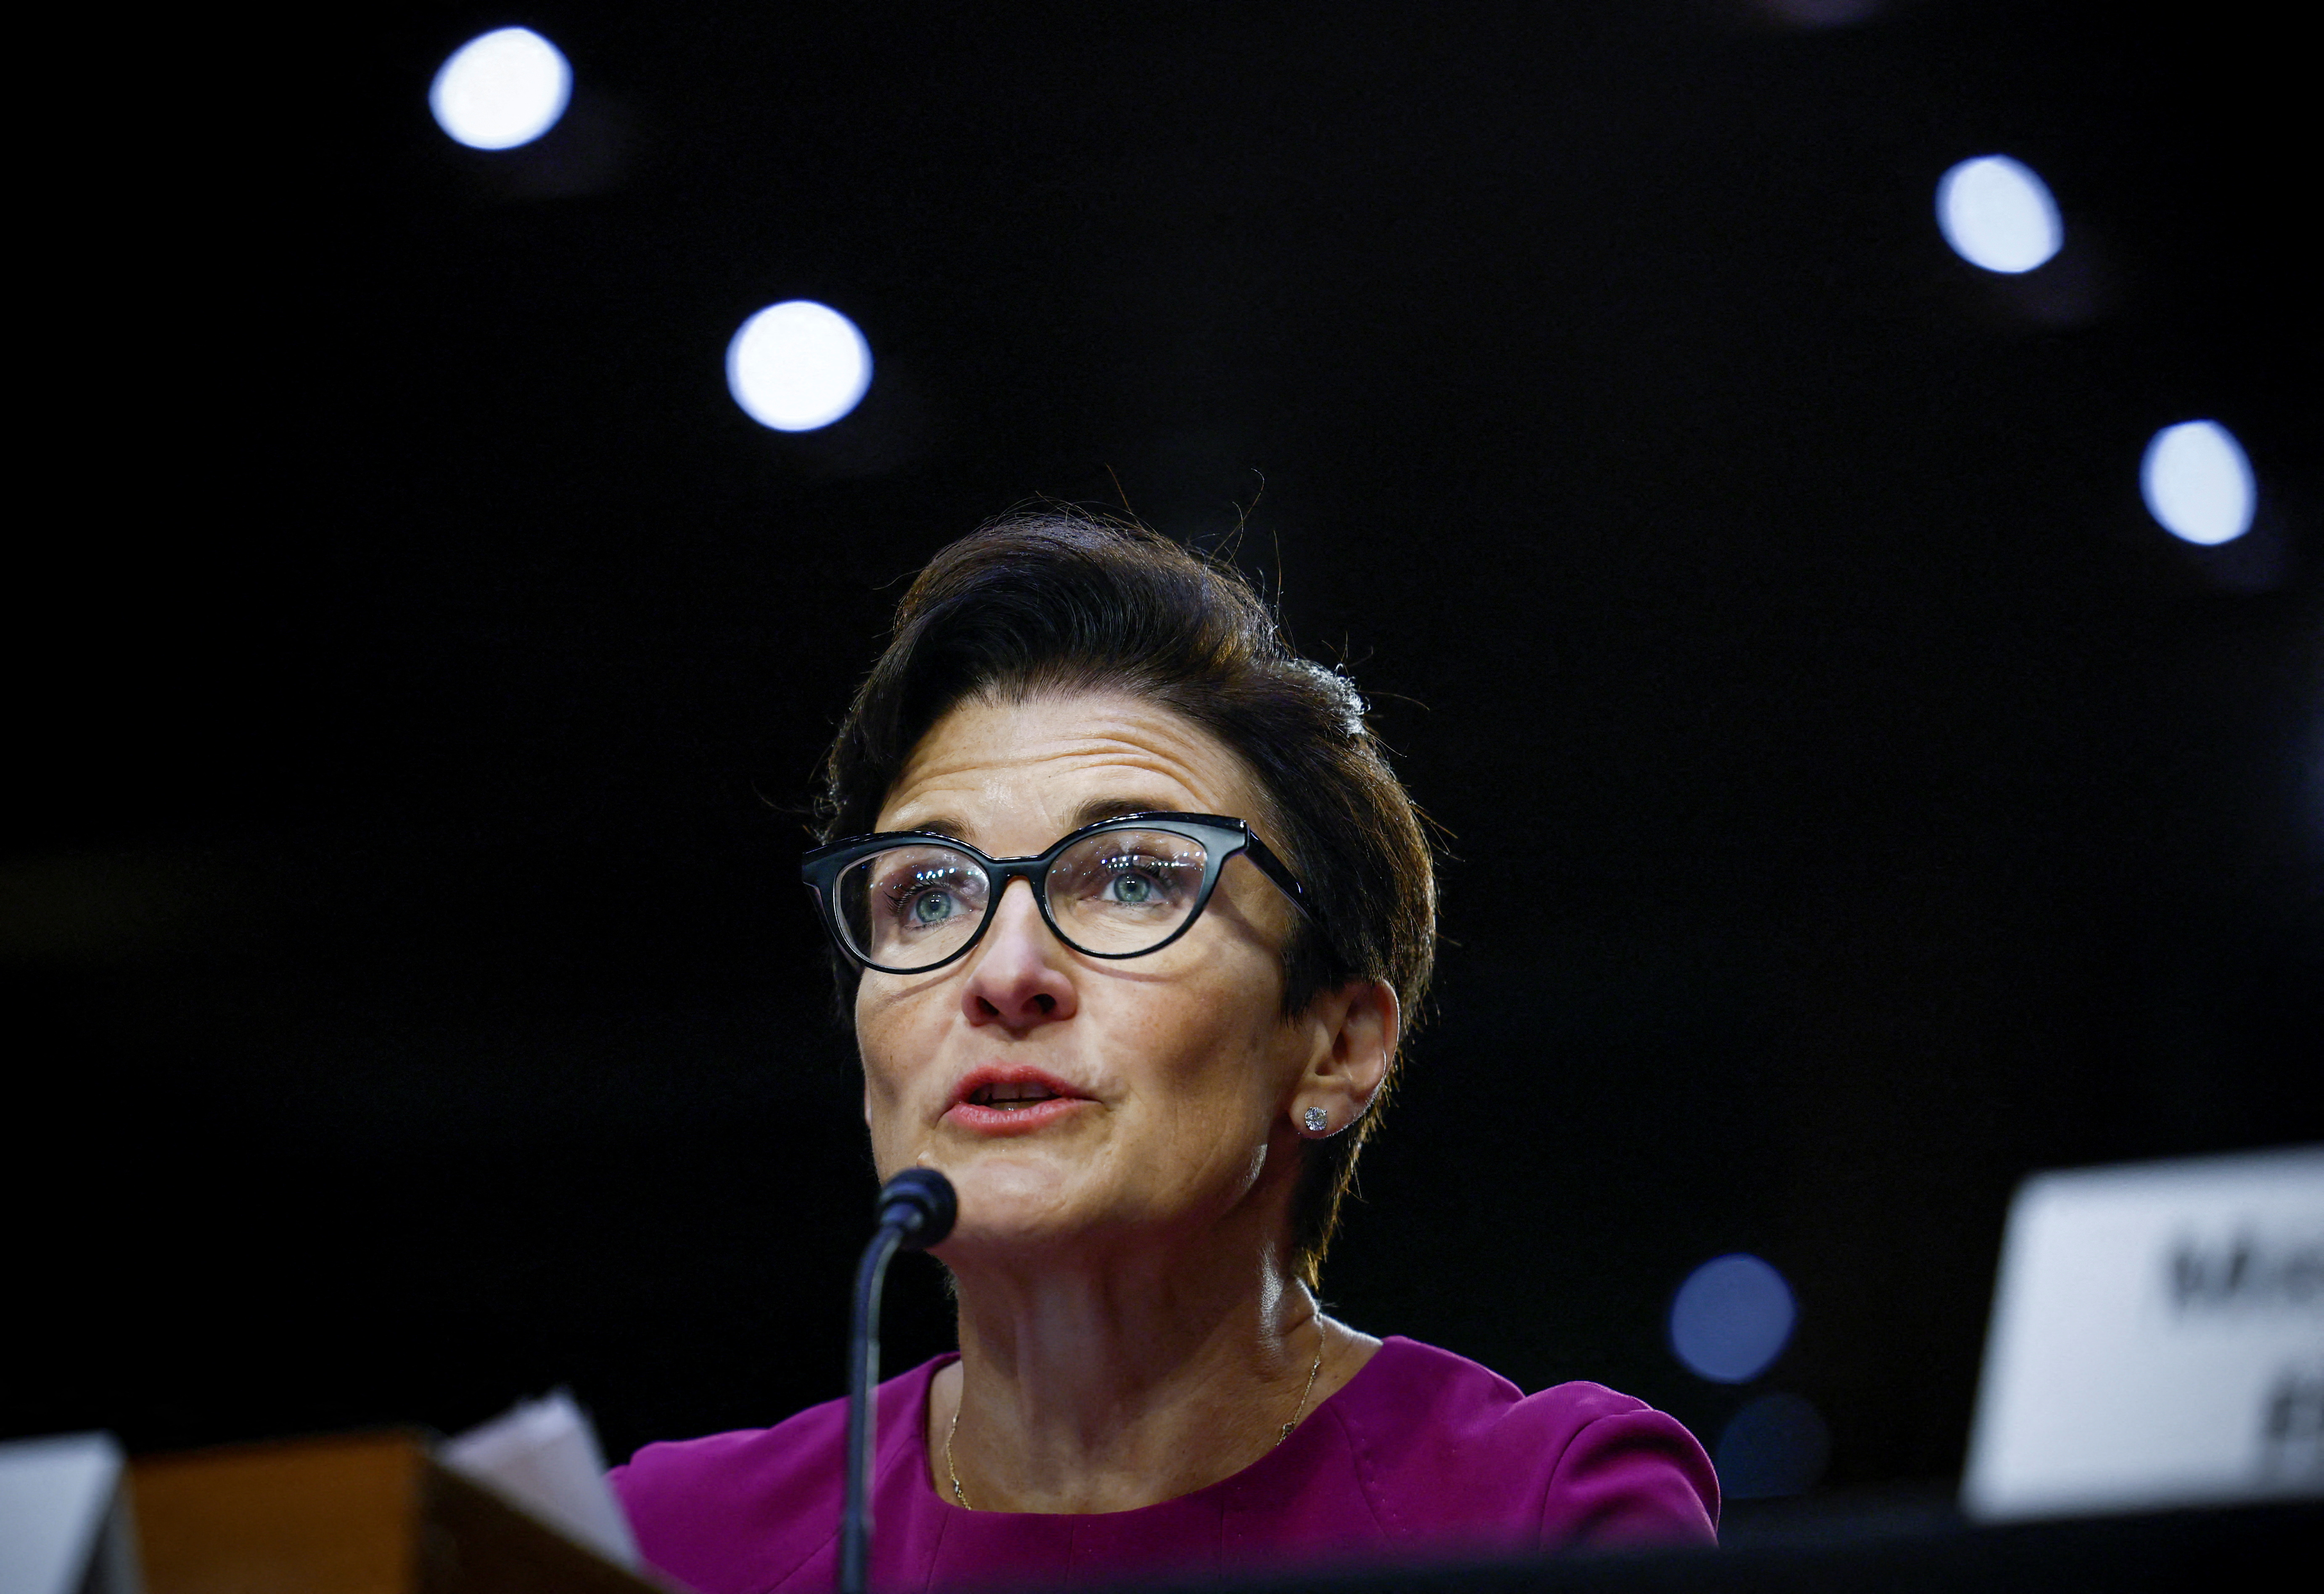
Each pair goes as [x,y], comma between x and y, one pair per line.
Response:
[2198,483]
[1997,214]
[798,365]
[1776,1444]
[501,89]
[1731,1318]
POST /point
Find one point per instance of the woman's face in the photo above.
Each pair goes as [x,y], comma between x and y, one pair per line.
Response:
[1067,1096]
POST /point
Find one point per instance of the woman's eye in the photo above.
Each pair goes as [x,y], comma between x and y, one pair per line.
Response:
[1134,881]
[1130,888]
[925,898]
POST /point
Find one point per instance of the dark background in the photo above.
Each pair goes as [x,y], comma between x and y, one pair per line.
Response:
[1854,801]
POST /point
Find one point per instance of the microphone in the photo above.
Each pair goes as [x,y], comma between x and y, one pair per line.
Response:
[914,1211]
[920,1203]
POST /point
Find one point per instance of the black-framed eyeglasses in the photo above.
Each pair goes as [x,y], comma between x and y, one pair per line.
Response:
[905,902]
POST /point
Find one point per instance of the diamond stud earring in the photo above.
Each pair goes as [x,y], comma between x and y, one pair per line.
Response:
[1317,1120]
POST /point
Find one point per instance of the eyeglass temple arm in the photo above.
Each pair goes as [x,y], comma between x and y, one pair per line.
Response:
[1274,869]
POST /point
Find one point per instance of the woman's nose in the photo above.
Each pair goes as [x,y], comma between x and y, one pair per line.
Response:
[1020,974]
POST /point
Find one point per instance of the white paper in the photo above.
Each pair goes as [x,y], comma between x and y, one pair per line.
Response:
[542,1457]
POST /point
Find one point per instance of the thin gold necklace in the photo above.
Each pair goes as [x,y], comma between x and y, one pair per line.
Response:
[960,1494]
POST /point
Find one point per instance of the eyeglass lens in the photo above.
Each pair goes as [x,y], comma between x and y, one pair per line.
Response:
[1117,892]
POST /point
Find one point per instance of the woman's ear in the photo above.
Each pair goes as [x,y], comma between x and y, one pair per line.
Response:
[1352,1033]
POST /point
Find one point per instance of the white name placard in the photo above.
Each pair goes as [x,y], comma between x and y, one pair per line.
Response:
[2157,1340]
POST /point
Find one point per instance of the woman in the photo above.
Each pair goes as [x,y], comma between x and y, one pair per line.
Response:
[1131,918]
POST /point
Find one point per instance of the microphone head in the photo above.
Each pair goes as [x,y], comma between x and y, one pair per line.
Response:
[919,1203]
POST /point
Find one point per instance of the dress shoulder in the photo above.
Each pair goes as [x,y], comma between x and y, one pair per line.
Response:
[748,1509]
[1447,1449]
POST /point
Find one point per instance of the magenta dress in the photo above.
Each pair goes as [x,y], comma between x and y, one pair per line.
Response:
[1422,1455]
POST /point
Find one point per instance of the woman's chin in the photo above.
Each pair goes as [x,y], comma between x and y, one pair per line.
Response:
[1007,1202]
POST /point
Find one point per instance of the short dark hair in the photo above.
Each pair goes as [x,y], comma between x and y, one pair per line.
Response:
[1066,601]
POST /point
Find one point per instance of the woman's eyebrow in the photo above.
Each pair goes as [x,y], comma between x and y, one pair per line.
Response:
[1114,807]
[943,824]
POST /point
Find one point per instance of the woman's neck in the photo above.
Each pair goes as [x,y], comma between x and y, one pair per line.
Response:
[1127,1379]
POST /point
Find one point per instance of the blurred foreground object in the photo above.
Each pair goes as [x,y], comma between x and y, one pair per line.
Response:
[543,1459]
[64,1521]
[2157,1340]
[373,1513]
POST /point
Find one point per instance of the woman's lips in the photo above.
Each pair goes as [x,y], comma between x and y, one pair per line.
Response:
[1004,1100]
[1014,1121]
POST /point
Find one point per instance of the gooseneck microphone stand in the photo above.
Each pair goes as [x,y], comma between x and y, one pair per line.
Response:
[916,1211]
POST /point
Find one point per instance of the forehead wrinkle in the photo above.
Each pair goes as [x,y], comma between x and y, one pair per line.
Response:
[950,772]
[988,779]
[1080,746]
